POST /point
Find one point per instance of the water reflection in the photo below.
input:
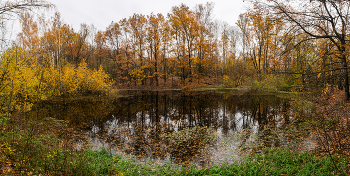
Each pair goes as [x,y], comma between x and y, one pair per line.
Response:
[136,124]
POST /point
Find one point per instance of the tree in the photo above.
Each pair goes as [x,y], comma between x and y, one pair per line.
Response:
[29,37]
[243,23]
[114,38]
[319,19]
[224,44]
[262,27]
[9,9]
[118,47]
[185,27]
[155,38]
[51,40]
[101,47]
[137,24]
[166,42]
[203,14]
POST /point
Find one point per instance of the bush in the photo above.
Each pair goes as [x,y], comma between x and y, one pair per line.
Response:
[24,80]
[20,82]
[82,80]
[268,83]
[233,80]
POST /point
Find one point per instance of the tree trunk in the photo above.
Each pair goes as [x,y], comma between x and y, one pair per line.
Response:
[345,76]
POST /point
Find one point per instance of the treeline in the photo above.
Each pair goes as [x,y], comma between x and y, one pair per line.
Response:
[272,40]
[184,46]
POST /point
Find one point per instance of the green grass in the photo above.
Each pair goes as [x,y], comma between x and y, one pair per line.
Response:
[269,162]
[281,162]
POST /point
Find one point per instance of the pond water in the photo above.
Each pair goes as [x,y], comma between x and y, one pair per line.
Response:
[138,122]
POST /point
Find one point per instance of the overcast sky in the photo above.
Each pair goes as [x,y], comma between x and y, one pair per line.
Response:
[102,12]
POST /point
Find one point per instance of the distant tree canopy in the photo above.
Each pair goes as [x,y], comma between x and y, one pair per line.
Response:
[298,45]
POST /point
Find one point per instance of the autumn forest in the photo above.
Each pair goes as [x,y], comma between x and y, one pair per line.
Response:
[188,48]
[281,69]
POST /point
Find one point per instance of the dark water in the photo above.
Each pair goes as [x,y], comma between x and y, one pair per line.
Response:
[135,123]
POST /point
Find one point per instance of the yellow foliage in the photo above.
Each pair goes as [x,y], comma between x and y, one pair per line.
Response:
[24,81]
[81,80]
[233,80]
[137,75]
[20,85]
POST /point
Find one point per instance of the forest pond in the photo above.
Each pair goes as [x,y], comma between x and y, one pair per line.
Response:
[201,127]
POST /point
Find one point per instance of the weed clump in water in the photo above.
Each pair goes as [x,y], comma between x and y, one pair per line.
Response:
[189,142]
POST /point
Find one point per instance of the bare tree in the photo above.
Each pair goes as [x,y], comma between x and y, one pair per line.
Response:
[242,23]
[225,28]
[233,35]
[319,19]
[11,9]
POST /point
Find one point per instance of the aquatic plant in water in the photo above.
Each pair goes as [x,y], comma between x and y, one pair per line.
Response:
[189,142]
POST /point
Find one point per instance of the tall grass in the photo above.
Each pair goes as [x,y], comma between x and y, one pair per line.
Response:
[280,161]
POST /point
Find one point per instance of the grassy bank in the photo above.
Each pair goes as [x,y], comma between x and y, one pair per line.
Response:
[46,147]
[88,162]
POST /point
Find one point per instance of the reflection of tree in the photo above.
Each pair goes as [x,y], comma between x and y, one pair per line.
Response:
[81,113]
[162,112]
[136,123]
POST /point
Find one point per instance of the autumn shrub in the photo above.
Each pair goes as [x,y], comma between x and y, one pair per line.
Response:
[267,83]
[233,81]
[20,82]
[24,80]
[82,80]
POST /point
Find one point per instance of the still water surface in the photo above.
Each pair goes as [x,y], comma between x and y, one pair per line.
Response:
[135,123]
